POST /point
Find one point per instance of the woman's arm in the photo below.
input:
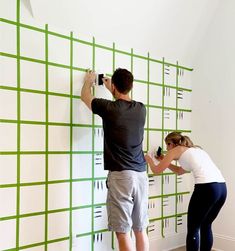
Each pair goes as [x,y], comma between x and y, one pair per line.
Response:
[163,164]
[171,155]
[176,169]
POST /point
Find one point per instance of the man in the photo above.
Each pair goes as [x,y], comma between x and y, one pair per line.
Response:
[123,125]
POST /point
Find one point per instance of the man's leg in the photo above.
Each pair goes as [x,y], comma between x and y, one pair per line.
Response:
[140,212]
[142,241]
[125,242]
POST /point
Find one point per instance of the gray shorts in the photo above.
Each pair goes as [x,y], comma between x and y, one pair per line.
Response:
[127,201]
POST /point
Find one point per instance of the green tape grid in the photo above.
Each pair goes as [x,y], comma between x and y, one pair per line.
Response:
[65,181]
[75,69]
[119,52]
[53,241]
[51,211]
[39,92]
[167,217]
[37,244]
[50,182]
[163,94]
[31,122]
[167,195]
[176,127]
[50,152]
[89,43]
[18,124]
[71,146]
[47,135]
[82,70]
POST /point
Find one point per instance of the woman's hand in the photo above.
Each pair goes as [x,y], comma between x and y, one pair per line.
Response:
[148,158]
[151,159]
[159,158]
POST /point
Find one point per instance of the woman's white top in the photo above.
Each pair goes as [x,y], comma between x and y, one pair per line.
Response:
[201,165]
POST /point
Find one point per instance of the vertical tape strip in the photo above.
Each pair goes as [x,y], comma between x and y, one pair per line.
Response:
[47,135]
[18,124]
[176,127]
[71,147]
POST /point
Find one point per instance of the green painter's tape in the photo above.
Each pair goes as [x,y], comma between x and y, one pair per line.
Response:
[163,91]
[82,70]
[30,27]
[71,147]
[93,156]
[176,127]
[18,124]
[47,132]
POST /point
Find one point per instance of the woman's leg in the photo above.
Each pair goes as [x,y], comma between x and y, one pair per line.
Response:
[192,241]
[200,214]
[206,240]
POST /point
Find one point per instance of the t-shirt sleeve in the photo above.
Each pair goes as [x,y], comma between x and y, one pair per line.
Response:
[99,106]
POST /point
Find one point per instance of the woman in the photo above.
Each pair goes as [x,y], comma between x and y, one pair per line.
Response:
[209,193]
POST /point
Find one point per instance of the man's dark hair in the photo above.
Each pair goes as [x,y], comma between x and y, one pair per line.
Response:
[123,80]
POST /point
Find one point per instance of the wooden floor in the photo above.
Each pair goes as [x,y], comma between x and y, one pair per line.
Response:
[180,249]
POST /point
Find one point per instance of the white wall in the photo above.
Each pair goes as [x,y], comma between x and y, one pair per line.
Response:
[165,28]
[213,120]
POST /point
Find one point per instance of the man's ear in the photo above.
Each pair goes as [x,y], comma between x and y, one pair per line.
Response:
[113,88]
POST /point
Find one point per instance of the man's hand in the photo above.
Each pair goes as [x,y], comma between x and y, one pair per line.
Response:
[86,94]
[89,78]
[107,83]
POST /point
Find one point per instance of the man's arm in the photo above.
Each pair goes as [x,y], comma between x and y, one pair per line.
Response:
[86,94]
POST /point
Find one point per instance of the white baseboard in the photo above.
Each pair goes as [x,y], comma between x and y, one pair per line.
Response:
[168,243]
[223,243]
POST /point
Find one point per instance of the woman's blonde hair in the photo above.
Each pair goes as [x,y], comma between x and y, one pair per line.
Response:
[179,140]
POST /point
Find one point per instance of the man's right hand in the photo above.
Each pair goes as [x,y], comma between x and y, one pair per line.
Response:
[107,83]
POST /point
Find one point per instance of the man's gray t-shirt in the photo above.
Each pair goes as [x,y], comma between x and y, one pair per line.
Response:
[123,124]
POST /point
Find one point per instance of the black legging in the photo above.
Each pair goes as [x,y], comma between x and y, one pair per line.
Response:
[206,201]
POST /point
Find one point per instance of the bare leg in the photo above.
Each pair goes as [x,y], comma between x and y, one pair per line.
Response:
[124,242]
[142,241]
